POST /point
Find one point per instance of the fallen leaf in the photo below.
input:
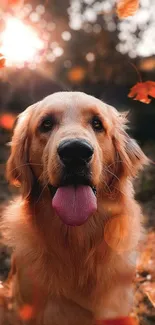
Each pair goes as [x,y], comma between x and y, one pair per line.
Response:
[119,321]
[126,8]
[142,90]
[149,290]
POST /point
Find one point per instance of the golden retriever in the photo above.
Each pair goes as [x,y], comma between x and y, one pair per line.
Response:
[76,227]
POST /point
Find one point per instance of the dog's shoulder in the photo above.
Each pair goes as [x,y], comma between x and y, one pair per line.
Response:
[13,223]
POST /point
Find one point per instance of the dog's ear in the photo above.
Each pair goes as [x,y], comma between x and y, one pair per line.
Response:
[131,157]
[18,168]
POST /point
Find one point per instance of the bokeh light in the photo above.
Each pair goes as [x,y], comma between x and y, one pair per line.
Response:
[76,74]
[31,37]
[28,37]
[19,42]
[90,57]
[7,121]
[136,34]
[66,36]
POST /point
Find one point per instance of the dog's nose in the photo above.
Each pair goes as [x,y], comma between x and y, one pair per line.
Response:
[75,151]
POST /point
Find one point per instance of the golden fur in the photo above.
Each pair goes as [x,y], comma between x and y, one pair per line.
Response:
[73,275]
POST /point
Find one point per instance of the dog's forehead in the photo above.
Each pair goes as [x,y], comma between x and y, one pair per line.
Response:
[73,103]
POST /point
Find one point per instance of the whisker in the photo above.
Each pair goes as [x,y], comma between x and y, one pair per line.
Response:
[40,177]
[115,162]
[27,164]
[42,192]
[119,190]
[112,173]
[106,185]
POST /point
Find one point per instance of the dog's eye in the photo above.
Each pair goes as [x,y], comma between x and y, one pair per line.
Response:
[97,124]
[46,125]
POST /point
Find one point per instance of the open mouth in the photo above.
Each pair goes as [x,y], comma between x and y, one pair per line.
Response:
[74,204]
[74,178]
[53,189]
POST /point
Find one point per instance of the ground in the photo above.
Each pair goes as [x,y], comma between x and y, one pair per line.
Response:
[145,275]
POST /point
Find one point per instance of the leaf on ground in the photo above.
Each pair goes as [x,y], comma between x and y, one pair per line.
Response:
[119,321]
[149,290]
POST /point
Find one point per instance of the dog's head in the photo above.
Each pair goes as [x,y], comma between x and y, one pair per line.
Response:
[77,147]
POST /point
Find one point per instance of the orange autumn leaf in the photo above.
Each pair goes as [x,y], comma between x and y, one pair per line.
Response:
[26,312]
[76,74]
[5,4]
[7,121]
[2,61]
[126,8]
[119,321]
[14,2]
[142,91]
[149,290]
[151,88]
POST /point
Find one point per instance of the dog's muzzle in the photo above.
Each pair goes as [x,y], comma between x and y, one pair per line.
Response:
[74,200]
[75,156]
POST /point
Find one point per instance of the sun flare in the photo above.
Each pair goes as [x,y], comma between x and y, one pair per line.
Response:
[19,42]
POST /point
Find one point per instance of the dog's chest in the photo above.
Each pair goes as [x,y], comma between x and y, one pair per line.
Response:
[67,278]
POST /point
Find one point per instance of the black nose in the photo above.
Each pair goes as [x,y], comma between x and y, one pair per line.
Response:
[75,151]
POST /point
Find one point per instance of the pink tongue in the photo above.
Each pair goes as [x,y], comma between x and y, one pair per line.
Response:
[74,204]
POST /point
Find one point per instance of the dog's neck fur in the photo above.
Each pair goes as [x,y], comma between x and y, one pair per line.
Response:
[76,257]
